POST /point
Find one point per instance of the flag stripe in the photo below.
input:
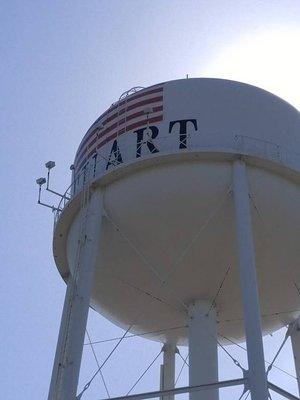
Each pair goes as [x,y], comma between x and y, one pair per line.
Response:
[130,107]
[132,98]
[114,121]
[116,134]
[97,133]
[141,103]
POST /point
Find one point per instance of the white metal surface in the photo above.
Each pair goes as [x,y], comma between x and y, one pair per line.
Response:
[162,201]
[73,324]
[295,339]
[165,160]
[168,369]
[246,254]
[59,354]
[203,351]
[149,201]
[221,114]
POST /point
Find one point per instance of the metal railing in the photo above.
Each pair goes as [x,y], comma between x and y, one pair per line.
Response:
[236,144]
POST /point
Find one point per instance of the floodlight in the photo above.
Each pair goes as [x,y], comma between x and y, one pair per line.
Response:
[50,164]
[41,181]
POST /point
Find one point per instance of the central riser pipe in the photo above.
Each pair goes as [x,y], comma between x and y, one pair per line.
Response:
[168,369]
[203,349]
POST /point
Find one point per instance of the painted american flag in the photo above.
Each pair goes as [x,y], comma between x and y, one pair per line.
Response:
[135,111]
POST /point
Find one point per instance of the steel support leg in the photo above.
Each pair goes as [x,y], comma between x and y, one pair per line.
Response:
[68,355]
[167,375]
[295,339]
[246,255]
[203,349]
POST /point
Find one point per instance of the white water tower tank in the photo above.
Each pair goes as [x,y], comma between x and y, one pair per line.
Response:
[163,158]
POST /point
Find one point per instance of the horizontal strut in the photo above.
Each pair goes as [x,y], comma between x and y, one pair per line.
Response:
[282,392]
[185,389]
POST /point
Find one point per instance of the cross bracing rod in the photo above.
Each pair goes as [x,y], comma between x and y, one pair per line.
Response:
[282,392]
[185,389]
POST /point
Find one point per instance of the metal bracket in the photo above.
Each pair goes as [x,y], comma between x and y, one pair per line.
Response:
[50,165]
[41,182]
[246,380]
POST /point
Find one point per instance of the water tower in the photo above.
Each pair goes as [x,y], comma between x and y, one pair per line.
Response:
[183,220]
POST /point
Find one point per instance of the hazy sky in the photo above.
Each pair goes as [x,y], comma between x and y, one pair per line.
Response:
[62,64]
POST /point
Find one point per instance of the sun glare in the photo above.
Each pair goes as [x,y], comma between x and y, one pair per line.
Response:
[269,60]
